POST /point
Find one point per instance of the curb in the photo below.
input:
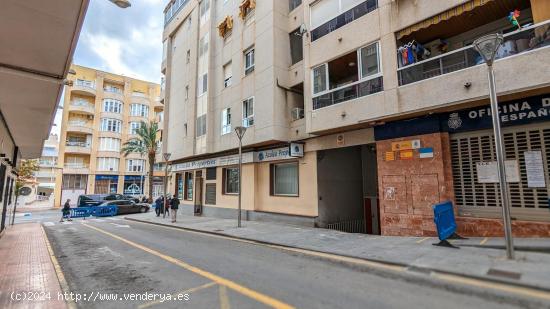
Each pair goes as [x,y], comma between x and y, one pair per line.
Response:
[416,269]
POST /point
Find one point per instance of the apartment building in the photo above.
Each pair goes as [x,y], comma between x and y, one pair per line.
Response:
[101,112]
[360,115]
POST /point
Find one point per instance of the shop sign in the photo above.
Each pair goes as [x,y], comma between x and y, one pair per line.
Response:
[296,150]
[528,110]
[487,172]
[534,167]
[272,155]
[107,177]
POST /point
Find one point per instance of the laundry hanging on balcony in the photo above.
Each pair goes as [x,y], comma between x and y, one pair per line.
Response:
[245,8]
[225,26]
[412,52]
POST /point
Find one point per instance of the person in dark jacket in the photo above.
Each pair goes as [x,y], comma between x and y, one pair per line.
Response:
[159,203]
[167,205]
[174,205]
[66,211]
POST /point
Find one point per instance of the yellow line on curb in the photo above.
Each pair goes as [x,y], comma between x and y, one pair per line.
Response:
[484,240]
[188,291]
[262,298]
[60,276]
[422,240]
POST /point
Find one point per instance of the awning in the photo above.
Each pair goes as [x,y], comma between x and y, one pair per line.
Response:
[225,26]
[245,6]
[456,11]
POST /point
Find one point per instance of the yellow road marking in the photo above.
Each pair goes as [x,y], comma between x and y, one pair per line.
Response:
[422,240]
[495,286]
[262,298]
[60,276]
[482,242]
[224,300]
[188,291]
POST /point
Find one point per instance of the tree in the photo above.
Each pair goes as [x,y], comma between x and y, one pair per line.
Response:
[146,144]
[25,174]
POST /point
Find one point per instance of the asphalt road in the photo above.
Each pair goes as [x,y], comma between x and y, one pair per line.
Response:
[114,256]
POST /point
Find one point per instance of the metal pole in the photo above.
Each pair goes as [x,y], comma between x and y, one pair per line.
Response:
[165,184]
[501,166]
[240,168]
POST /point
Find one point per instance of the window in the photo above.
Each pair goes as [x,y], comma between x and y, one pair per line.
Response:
[320,79]
[201,125]
[111,125]
[107,164]
[133,127]
[189,186]
[109,144]
[249,61]
[134,165]
[296,48]
[74,182]
[211,173]
[139,110]
[284,179]
[248,112]
[112,88]
[203,45]
[227,75]
[203,84]
[294,4]
[112,106]
[159,116]
[204,10]
[226,121]
[231,180]
[370,61]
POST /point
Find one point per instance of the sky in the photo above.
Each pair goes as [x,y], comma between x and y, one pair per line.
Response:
[121,41]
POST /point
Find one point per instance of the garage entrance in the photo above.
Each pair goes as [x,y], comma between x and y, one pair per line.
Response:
[348,189]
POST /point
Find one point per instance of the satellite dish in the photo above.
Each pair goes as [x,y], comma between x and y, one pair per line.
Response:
[25,191]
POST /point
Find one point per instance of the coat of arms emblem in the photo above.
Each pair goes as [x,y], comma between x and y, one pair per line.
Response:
[454,121]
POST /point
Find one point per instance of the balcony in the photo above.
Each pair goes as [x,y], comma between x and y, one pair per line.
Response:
[77,147]
[347,93]
[344,19]
[84,87]
[140,97]
[80,127]
[173,10]
[82,107]
[75,168]
[520,41]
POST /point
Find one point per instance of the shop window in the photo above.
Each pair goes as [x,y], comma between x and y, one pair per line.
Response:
[231,180]
[188,186]
[211,173]
[284,179]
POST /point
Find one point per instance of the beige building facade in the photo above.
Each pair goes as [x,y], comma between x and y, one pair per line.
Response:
[364,113]
[101,112]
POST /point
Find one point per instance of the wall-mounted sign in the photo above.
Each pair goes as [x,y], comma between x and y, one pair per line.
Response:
[406,154]
[296,150]
[272,155]
[389,193]
[402,145]
[213,162]
[390,156]
[427,152]
[487,172]
[340,140]
[534,167]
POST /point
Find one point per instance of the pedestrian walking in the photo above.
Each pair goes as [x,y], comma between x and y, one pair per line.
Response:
[66,211]
[174,205]
[167,205]
[159,203]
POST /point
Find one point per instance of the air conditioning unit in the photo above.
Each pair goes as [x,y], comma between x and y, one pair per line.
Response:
[297,113]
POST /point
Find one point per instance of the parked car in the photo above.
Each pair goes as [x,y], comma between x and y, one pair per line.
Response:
[127,206]
[87,200]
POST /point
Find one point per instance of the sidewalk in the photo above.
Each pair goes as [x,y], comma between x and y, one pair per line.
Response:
[475,258]
[26,266]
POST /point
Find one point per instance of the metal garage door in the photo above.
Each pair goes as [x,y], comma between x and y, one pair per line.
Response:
[483,200]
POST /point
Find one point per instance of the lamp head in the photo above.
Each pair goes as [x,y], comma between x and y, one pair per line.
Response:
[240,132]
[487,46]
[121,3]
[166,156]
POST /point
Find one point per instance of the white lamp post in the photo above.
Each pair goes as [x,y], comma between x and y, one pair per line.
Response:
[487,47]
[240,134]
[166,157]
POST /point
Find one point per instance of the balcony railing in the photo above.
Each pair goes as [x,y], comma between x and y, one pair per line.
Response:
[75,165]
[344,19]
[348,92]
[112,90]
[77,144]
[85,83]
[139,94]
[76,123]
[80,103]
[517,42]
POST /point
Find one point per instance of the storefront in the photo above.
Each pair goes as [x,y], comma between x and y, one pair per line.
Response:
[133,184]
[106,184]
[451,156]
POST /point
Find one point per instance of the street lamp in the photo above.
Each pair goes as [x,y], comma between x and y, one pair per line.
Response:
[121,3]
[240,134]
[487,47]
[166,157]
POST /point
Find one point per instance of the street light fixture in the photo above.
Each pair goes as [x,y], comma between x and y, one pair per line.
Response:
[240,131]
[166,157]
[487,47]
[121,3]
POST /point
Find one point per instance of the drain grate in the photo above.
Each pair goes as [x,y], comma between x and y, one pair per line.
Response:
[504,274]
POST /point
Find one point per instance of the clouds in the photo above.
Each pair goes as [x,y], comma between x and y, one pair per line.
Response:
[123,41]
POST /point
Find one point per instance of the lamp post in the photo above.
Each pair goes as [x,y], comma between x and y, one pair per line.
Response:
[240,134]
[487,47]
[121,3]
[166,157]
